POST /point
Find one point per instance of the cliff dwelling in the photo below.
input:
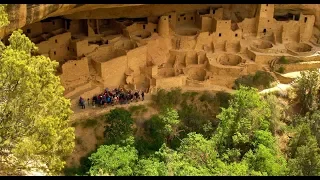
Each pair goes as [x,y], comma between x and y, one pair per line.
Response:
[198,48]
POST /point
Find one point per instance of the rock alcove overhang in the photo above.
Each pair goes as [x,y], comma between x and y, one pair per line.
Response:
[24,14]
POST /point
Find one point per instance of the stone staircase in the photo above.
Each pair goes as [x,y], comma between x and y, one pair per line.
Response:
[268,69]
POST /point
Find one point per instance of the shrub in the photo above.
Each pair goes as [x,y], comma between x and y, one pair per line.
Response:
[283,60]
[167,99]
[260,80]
[281,69]
[89,123]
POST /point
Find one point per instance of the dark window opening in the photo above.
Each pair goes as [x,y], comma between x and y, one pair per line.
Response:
[236,35]
[75,64]
[182,14]
[28,31]
[191,18]
[287,17]
[266,4]
[185,18]
[144,26]
[214,11]
[178,19]
[169,16]
[268,20]
[305,19]
[264,30]
[164,18]
[107,42]
[56,41]
[53,23]
[219,34]
[55,53]
[155,30]
[68,48]
[68,23]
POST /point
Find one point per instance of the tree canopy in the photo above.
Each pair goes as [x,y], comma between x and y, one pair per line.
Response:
[34,129]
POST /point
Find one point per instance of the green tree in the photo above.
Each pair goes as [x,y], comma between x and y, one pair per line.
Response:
[113,160]
[119,126]
[307,89]
[150,167]
[246,114]
[34,129]
[177,165]
[171,121]
[4,19]
[277,110]
[304,153]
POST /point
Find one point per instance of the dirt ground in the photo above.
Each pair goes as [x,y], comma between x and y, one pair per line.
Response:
[88,138]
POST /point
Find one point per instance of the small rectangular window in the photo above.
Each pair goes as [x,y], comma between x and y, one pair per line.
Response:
[56,41]
[55,53]
[185,18]
[191,18]
[219,34]
[144,26]
[155,30]
[28,31]
[305,19]
[169,16]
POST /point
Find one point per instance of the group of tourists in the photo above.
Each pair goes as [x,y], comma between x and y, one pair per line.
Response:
[116,96]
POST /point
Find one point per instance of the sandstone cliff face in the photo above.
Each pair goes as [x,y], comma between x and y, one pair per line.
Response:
[23,14]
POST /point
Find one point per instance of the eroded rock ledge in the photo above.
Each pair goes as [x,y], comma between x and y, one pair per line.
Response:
[24,14]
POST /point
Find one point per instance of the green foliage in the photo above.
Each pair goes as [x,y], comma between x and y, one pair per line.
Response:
[281,69]
[113,160]
[150,167]
[246,114]
[277,110]
[34,127]
[304,153]
[259,80]
[167,99]
[89,123]
[206,96]
[4,18]
[119,126]
[307,89]
[283,60]
[222,99]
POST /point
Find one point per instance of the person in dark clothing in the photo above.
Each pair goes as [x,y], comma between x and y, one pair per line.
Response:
[94,100]
[142,95]
[82,103]
[136,94]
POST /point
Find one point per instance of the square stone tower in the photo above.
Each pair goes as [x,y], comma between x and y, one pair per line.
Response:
[264,21]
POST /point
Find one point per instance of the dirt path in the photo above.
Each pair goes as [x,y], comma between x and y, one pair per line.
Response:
[90,111]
